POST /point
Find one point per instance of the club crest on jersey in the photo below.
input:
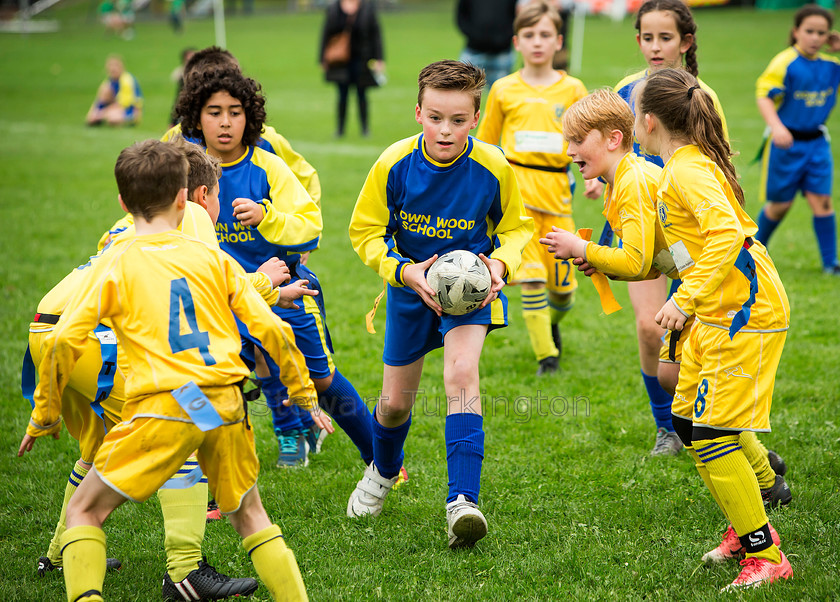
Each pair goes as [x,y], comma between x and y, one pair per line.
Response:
[559,109]
[662,210]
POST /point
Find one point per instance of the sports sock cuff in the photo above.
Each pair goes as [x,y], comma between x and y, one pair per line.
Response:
[534,300]
[709,450]
[83,532]
[758,540]
[255,540]
[464,426]
[78,473]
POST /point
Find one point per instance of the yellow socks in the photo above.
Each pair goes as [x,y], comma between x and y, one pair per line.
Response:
[560,305]
[704,474]
[184,521]
[538,322]
[736,491]
[83,550]
[76,475]
[275,564]
[756,455]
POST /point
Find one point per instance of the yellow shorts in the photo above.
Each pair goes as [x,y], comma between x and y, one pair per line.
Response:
[728,384]
[157,436]
[83,424]
[671,350]
[538,265]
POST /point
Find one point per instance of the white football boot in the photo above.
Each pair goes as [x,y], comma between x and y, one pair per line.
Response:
[369,495]
[466,523]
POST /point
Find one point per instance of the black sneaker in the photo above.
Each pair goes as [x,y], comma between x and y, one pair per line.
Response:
[776,462]
[777,495]
[45,565]
[204,583]
[548,365]
[558,341]
[833,270]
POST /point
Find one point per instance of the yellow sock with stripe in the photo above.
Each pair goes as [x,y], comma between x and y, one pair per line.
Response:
[83,550]
[275,564]
[704,474]
[737,492]
[184,521]
[76,475]
[559,305]
[756,455]
[538,322]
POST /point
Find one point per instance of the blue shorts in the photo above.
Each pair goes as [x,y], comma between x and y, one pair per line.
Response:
[412,329]
[310,327]
[807,166]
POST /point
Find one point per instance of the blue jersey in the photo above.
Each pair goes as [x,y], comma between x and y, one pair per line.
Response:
[412,207]
[804,89]
[291,221]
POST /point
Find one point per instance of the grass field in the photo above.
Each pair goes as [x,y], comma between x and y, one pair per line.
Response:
[577,508]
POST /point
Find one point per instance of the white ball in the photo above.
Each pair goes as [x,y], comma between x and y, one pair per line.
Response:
[460,280]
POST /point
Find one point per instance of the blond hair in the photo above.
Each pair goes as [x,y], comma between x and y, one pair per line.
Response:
[533,12]
[602,110]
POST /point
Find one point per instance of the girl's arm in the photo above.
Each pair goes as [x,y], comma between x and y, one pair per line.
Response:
[490,128]
[780,134]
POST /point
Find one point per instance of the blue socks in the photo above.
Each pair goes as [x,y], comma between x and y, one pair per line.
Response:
[343,403]
[464,454]
[388,446]
[766,227]
[826,230]
[660,402]
[283,417]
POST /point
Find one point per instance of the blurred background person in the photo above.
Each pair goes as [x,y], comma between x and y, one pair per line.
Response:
[488,27]
[351,55]
[119,100]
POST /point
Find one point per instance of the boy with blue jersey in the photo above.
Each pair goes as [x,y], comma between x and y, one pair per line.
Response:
[795,96]
[180,338]
[266,212]
[436,192]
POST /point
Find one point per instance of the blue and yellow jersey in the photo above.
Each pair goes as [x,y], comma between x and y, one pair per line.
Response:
[626,88]
[171,300]
[527,122]
[291,221]
[273,142]
[412,207]
[197,224]
[630,209]
[706,229]
[803,89]
[127,91]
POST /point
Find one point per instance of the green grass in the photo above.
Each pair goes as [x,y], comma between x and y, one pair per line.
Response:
[576,507]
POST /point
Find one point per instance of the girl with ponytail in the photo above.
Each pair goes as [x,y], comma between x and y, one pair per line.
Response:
[731,287]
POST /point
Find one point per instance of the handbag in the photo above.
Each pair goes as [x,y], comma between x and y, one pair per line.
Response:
[337,48]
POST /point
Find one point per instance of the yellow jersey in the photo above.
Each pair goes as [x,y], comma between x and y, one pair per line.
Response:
[708,232]
[630,209]
[171,300]
[527,122]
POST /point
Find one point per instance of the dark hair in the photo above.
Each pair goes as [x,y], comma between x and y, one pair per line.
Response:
[200,86]
[686,110]
[452,75]
[810,10]
[149,176]
[685,26]
[533,12]
[211,58]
